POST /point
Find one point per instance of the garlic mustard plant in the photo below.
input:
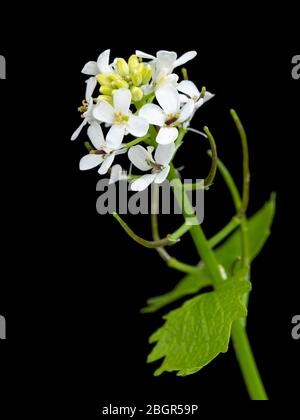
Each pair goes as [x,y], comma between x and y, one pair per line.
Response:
[141,108]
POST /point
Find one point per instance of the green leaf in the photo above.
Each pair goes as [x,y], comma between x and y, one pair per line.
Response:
[259,230]
[197,332]
[189,285]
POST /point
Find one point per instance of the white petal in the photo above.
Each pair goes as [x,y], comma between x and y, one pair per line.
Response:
[96,135]
[139,156]
[104,112]
[185,58]
[78,130]
[187,110]
[115,136]
[168,98]
[164,153]
[90,161]
[189,88]
[183,98]
[147,89]
[88,114]
[171,79]
[108,161]
[143,182]
[144,55]
[90,68]
[103,62]
[167,135]
[153,114]
[162,175]
[90,87]
[122,100]
[167,58]
[137,126]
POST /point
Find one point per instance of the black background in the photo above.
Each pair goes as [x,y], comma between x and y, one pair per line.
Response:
[73,283]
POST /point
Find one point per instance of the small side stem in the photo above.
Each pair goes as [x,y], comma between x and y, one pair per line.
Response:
[181,266]
[226,231]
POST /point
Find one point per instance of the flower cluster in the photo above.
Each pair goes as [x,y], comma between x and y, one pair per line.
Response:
[124,106]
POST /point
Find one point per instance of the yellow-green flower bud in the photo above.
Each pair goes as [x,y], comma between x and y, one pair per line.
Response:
[146,73]
[106,90]
[136,77]
[103,79]
[105,98]
[122,67]
[114,76]
[133,63]
[136,93]
[117,84]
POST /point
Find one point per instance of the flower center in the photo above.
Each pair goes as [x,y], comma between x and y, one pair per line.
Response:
[172,118]
[104,151]
[156,167]
[120,118]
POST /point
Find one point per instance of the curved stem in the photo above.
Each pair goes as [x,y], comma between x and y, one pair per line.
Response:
[148,244]
[230,184]
[181,266]
[154,222]
[246,171]
[222,234]
[213,169]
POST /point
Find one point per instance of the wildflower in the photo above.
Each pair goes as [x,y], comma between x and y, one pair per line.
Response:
[159,166]
[163,65]
[120,118]
[103,155]
[169,116]
[190,90]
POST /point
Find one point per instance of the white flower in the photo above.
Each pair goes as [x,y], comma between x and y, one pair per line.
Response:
[163,65]
[103,155]
[143,160]
[190,90]
[93,68]
[120,118]
[169,115]
[87,118]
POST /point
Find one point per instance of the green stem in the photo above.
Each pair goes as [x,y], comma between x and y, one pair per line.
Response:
[147,244]
[137,141]
[246,171]
[222,234]
[181,266]
[180,231]
[182,133]
[239,335]
[247,363]
[154,222]
[230,184]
